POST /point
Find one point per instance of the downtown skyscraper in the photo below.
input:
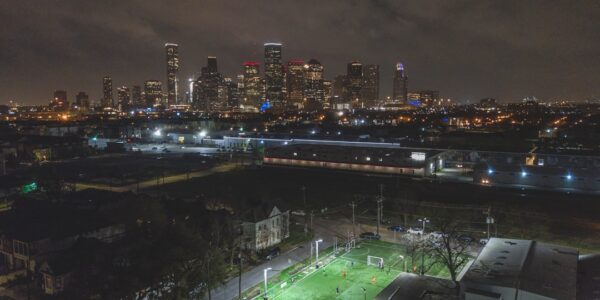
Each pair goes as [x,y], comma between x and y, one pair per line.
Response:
[107,92]
[313,84]
[153,92]
[274,74]
[206,92]
[354,82]
[400,88]
[123,98]
[172,70]
[295,83]
[370,87]
[252,84]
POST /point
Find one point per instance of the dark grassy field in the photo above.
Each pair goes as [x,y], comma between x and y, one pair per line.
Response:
[570,219]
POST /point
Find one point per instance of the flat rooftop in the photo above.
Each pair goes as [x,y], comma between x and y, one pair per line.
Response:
[544,269]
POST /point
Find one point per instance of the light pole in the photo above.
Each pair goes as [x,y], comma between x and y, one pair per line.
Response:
[364,292]
[403,260]
[265,274]
[317,252]
[424,221]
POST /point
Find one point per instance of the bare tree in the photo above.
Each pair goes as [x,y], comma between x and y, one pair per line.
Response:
[450,250]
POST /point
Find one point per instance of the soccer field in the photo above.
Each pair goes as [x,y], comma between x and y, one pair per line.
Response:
[348,273]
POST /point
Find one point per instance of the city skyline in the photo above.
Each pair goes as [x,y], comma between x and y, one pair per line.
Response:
[514,50]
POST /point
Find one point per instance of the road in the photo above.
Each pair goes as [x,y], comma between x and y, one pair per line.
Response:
[154,182]
[255,275]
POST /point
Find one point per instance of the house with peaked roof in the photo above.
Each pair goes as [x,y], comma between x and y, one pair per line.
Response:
[265,226]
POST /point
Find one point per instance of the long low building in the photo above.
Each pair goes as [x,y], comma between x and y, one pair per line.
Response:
[522,269]
[585,180]
[510,269]
[398,161]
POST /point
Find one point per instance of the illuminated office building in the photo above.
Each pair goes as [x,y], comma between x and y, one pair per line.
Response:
[252,84]
[172,70]
[153,93]
[107,91]
[273,74]
[295,83]
[400,88]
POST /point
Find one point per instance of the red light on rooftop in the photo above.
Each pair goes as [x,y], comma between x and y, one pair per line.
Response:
[250,64]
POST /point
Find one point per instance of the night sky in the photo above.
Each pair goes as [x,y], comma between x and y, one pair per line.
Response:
[466,49]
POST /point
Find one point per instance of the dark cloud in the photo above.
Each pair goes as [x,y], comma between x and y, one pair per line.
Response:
[468,49]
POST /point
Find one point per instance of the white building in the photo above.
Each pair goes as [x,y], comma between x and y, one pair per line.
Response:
[265,226]
[522,269]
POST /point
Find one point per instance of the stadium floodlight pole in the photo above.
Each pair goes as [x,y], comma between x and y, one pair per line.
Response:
[265,275]
[353,205]
[425,221]
[317,252]
[379,207]
[364,292]
[305,214]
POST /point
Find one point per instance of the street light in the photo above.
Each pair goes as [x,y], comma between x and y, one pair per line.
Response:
[425,221]
[402,258]
[265,274]
[364,292]
[317,246]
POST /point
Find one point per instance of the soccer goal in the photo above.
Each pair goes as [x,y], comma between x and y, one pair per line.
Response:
[375,261]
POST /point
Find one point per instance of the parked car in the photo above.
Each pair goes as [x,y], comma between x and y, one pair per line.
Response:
[414,230]
[465,238]
[483,241]
[437,235]
[369,236]
[272,253]
[397,228]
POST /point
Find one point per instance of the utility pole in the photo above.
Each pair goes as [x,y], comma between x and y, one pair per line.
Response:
[240,276]
[489,220]
[353,205]
[312,213]
[303,188]
[379,207]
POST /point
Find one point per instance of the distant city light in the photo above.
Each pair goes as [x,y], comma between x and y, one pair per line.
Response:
[202,133]
[157,132]
[490,171]
[569,177]
[523,174]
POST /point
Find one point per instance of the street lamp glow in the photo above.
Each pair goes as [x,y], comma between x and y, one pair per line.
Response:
[157,132]
[523,174]
[490,171]
[265,275]
[424,221]
[569,177]
[317,252]
[202,134]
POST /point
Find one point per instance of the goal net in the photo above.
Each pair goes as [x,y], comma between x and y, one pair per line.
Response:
[374,261]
